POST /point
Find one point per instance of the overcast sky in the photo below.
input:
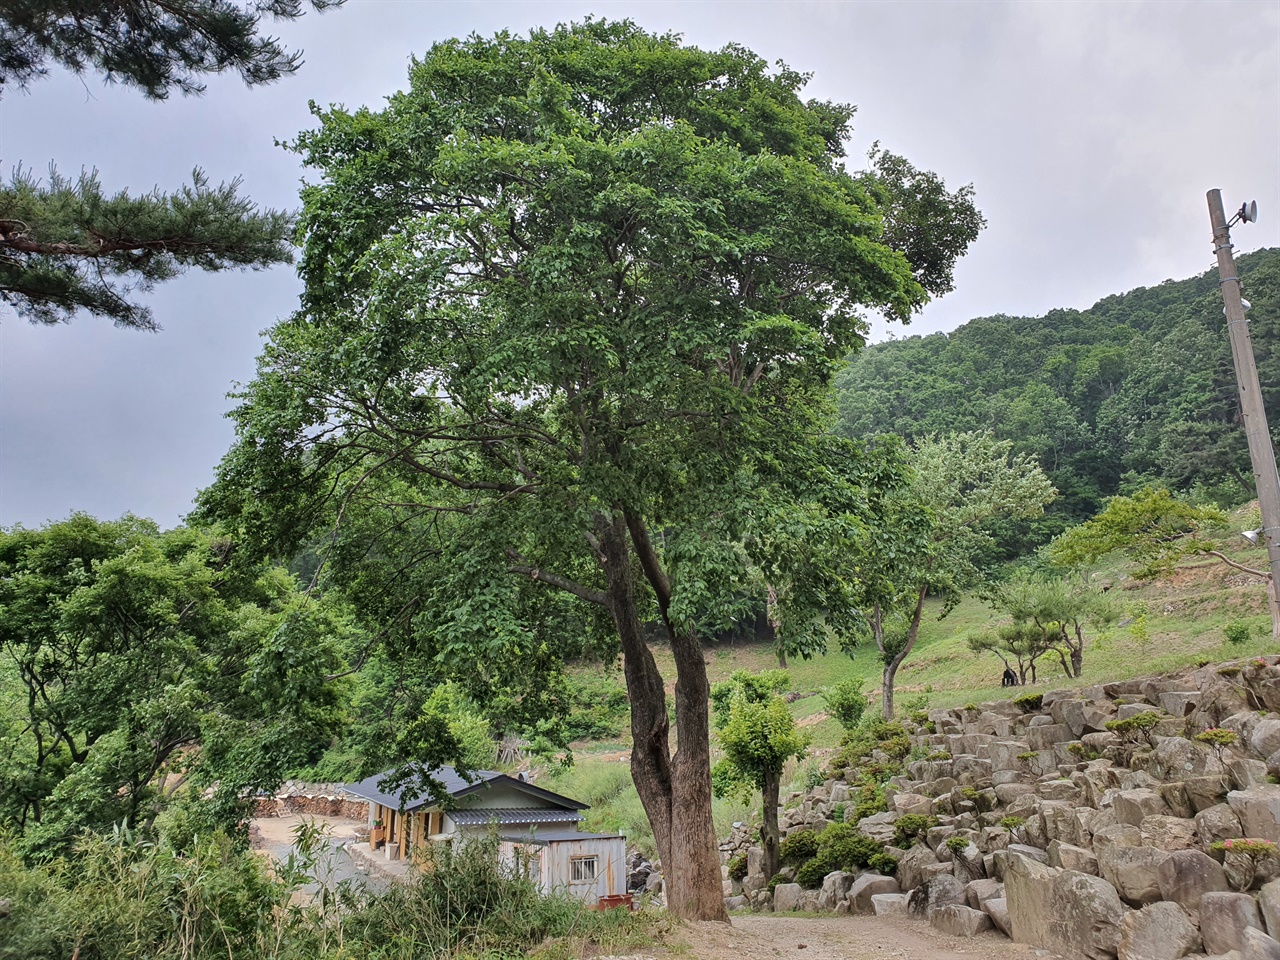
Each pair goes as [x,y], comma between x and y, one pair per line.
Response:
[1090,131]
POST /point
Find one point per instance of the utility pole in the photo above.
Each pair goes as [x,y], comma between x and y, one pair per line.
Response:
[1261,451]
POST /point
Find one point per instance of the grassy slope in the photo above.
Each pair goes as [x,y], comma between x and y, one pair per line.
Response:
[1184,617]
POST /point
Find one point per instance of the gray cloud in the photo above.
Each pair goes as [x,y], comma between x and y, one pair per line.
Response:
[1090,130]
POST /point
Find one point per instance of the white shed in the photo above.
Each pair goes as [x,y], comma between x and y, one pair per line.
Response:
[586,866]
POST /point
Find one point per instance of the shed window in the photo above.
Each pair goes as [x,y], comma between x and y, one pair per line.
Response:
[582,869]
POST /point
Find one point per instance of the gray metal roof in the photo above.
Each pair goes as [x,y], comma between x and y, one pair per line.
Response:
[449,778]
[542,838]
[457,787]
[506,815]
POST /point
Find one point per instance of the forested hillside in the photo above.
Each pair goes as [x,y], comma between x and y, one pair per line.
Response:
[1138,388]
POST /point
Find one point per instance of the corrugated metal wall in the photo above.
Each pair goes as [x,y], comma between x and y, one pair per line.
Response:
[555,866]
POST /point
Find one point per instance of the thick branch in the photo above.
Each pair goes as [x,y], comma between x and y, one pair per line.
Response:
[649,561]
[1239,566]
[555,580]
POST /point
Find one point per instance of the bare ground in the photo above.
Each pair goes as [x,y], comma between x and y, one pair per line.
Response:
[768,937]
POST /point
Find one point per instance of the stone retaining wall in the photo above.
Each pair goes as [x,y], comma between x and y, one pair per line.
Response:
[1125,845]
[314,799]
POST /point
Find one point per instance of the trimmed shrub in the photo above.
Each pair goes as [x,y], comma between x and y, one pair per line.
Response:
[909,828]
[798,847]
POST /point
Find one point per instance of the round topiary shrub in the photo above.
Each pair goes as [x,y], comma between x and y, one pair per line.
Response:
[798,848]
[813,872]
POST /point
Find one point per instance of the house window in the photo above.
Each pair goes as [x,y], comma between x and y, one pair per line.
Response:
[582,869]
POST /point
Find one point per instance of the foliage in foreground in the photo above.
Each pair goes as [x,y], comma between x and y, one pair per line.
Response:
[137,665]
[117,897]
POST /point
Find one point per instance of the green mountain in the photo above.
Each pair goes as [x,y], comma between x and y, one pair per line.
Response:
[1140,388]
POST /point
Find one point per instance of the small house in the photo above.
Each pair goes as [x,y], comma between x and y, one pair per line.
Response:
[537,827]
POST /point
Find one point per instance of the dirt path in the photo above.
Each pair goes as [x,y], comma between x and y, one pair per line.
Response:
[768,937]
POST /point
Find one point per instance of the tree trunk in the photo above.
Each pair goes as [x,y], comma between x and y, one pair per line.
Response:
[770,835]
[696,889]
[675,791]
[891,667]
[886,688]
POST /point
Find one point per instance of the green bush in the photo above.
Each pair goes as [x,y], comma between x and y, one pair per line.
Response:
[798,847]
[118,898]
[776,879]
[1140,724]
[738,867]
[957,843]
[883,863]
[908,829]
[1029,702]
[837,812]
[1237,632]
[812,873]
[846,702]
[1012,823]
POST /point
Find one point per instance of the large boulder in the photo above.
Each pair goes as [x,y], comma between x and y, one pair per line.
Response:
[879,827]
[1218,823]
[1204,792]
[1161,931]
[1269,903]
[1224,917]
[906,804]
[835,887]
[1115,835]
[1133,871]
[978,892]
[913,866]
[959,921]
[1043,737]
[1259,946]
[786,897]
[1028,887]
[998,910]
[1187,875]
[1060,823]
[1265,737]
[865,888]
[1177,758]
[1258,808]
[1085,917]
[1168,833]
[1134,806]
[1070,857]
[967,863]
[889,904]
[936,892]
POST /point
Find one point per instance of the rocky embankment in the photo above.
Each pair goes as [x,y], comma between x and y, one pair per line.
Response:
[1136,820]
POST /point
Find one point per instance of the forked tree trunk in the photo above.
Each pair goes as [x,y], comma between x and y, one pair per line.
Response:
[675,791]
[891,666]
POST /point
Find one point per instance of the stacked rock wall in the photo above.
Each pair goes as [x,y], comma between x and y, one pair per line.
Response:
[1137,844]
[311,799]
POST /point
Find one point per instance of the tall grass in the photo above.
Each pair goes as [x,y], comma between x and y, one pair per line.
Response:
[119,898]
